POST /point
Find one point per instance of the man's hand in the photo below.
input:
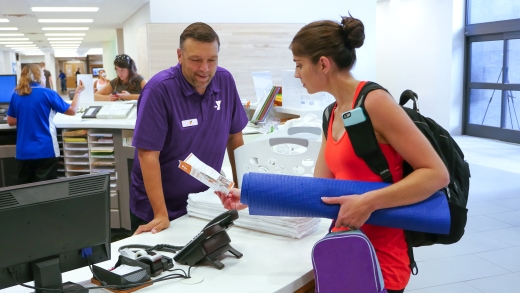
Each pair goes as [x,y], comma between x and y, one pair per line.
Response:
[158,224]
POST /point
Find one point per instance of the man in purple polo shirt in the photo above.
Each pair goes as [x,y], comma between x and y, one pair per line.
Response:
[193,107]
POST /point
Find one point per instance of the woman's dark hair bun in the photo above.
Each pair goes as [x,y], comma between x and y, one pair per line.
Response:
[353,32]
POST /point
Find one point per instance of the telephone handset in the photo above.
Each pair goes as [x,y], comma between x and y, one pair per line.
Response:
[224,220]
[210,243]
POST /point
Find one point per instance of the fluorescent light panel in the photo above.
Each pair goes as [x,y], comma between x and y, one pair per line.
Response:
[64,39]
[14,39]
[19,46]
[65,34]
[14,43]
[70,20]
[65,9]
[65,42]
[4,20]
[71,28]
[95,51]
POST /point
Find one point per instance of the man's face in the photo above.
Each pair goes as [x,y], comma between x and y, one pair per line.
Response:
[199,62]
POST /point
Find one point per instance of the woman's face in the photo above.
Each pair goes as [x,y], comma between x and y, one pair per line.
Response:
[102,74]
[122,73]
[308,73]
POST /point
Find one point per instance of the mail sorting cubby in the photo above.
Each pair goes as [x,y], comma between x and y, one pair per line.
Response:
[75,152]
[102,159]
[91,151]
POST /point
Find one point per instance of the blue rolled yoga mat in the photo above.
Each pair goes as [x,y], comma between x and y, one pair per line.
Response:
[298,196]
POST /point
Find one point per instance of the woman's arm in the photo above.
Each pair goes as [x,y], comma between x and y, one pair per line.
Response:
[105,94]
[71,111]
[393,126]
[321,169]
[11,121]
[125,95]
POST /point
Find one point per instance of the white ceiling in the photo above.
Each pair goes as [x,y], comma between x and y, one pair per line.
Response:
[110,16]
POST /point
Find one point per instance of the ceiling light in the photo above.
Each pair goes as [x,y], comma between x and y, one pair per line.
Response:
[64,39]
[14,39]
[4,20]
[75,20]
[95,51]
[65,9]
[11,35]
[14,43]
[65,46]
[66,42]
[32,53]
[8,28]
[72,28]
[65,34]
[20,45]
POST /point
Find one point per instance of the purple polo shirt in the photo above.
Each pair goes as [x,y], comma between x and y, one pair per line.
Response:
[176,120]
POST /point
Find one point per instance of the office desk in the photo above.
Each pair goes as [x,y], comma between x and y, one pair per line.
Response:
[270,263]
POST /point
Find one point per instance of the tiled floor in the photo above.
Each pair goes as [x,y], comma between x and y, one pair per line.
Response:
[487,258]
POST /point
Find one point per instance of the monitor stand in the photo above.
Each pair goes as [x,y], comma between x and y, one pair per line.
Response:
[47,274]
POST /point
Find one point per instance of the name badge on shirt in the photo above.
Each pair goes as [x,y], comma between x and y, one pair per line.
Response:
[190,122]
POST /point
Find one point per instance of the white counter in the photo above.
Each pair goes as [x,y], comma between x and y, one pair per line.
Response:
[66,121]
[270,263]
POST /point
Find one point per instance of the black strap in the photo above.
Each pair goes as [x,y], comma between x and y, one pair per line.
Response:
[362,135]
[363,138]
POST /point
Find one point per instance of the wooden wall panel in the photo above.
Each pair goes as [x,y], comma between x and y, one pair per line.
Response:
[244,48]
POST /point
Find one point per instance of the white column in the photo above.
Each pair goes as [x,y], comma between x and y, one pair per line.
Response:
[50,64]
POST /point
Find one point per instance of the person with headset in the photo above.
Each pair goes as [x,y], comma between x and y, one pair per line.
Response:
[32,110]
[126,86]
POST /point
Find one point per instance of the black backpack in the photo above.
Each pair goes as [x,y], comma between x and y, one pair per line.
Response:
[366,147]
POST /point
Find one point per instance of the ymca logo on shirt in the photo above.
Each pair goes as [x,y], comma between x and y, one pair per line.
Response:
[218,105]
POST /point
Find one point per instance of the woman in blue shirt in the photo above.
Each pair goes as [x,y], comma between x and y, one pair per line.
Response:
[32,110]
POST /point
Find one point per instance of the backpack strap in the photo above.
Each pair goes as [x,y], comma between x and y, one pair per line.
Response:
[362,135]
[326,117]
[363,138]
[409,95]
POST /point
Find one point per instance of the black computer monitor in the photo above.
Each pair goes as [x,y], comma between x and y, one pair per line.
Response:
[7,86]
[47,226]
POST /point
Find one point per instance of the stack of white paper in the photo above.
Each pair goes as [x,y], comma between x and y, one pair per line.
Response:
[207,205]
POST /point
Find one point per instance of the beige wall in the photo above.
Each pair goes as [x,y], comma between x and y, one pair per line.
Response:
[245,48]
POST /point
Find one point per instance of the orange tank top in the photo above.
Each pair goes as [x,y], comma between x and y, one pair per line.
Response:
[389,243]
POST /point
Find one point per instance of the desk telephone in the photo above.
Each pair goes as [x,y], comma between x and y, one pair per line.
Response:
[210,243]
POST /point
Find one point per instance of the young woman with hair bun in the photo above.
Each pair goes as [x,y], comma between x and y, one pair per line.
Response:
[325,53]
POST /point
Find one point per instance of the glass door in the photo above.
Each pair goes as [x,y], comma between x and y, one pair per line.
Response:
[493,87]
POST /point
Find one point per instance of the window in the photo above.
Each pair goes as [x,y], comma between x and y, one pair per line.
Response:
[480,11]
[492,86]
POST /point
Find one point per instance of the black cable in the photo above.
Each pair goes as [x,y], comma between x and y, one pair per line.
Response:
[103,283]
[157,247]
[116,287]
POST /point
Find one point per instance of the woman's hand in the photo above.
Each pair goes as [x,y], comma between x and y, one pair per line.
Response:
[353,211]
[231,201]
[113,97]
[124,95]
[80,87]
